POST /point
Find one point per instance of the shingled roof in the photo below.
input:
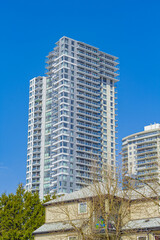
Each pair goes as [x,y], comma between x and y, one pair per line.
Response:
[58,226]
[86,192]
[143,224]
[94,190]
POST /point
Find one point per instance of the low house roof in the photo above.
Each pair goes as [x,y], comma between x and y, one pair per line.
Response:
[142,224]
[147,192]
[58,226]
[85,193]
[134,225]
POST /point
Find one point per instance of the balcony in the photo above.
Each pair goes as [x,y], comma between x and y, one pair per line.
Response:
[146,146]
[147,156]
[145,162]
[139,152]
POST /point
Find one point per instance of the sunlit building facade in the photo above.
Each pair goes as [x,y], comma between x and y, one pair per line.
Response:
[79,129]
[141,155]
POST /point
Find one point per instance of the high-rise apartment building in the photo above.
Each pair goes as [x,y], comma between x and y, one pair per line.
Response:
[36,133]
[141,155]
[77,127]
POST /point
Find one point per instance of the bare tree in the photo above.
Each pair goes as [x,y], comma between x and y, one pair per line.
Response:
[110,207]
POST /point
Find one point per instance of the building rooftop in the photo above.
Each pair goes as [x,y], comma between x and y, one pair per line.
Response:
[146,192]
[142,224]
[86,192]
[147,129]
[58,226]
[152,127]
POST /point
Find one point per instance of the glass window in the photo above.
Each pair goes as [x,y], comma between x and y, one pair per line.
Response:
[82,207]
[71,133]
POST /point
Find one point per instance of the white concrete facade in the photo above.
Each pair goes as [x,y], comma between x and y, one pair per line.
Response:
[79,111]
[141,154]
[36,124]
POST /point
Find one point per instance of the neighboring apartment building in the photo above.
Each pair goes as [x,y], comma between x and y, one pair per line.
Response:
[36,137]
[94,213]
[79,137]
[141,155]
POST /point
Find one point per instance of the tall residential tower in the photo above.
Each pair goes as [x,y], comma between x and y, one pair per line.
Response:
[78,118]
[141,155]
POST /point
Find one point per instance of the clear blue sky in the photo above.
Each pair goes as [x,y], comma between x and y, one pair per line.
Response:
[129,29]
